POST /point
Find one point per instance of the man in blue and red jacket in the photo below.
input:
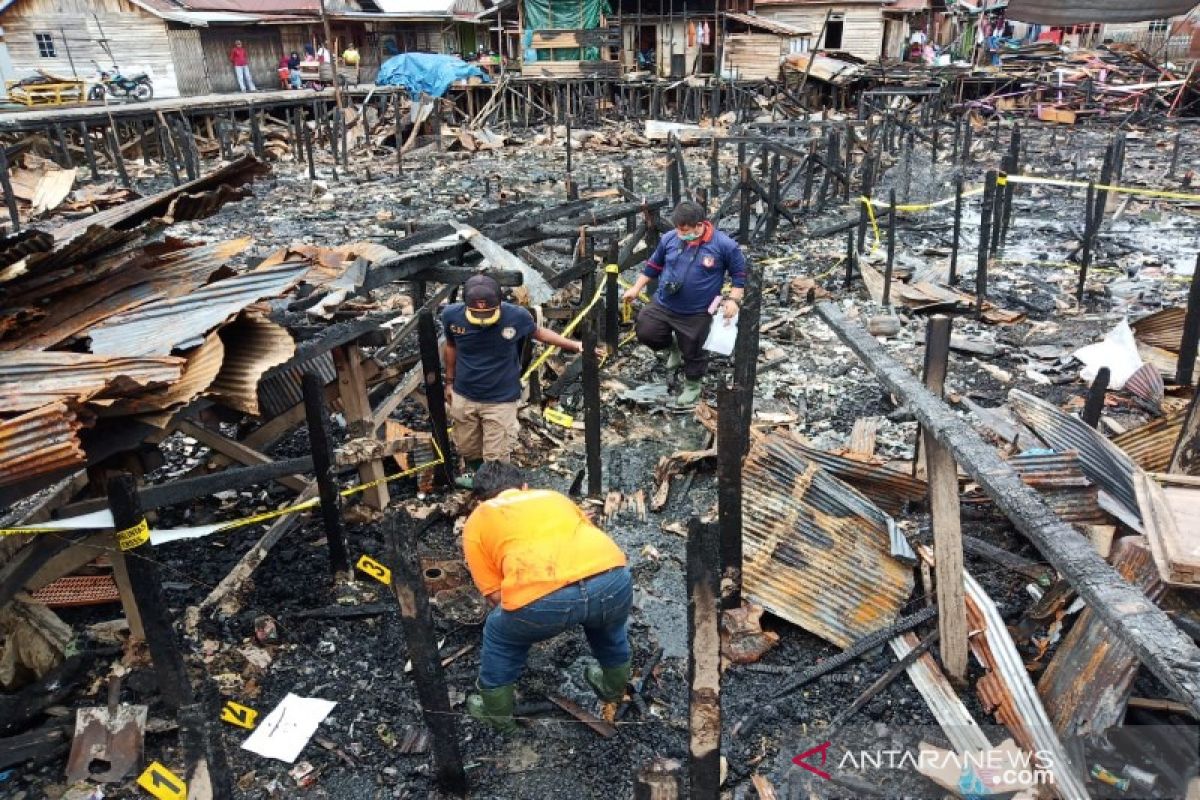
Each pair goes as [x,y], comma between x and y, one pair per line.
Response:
[691,264]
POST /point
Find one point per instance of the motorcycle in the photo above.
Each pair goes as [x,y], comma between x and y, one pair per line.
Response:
[113,84]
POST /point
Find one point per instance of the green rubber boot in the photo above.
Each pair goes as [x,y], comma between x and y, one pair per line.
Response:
[608,682]
[674,357]
[467,479]
[689,395]
[494,707]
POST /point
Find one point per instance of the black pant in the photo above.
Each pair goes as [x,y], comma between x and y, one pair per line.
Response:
[655,325]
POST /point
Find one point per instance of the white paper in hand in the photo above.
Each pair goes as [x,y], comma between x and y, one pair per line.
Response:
[288,727]
[722,334]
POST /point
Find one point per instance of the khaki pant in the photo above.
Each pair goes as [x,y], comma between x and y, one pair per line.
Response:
[486,431]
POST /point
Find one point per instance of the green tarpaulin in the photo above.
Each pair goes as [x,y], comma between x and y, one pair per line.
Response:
[543,15]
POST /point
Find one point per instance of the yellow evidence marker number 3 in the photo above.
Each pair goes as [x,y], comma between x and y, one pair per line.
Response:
[240,715]
[162,783]
[376,570]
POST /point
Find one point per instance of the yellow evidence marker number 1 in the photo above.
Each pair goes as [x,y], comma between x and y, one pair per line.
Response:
[162,783]
[376,570]
[239,715]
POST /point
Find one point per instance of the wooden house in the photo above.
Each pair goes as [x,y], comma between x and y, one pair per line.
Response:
[856,27]
[70,37]
[755,47]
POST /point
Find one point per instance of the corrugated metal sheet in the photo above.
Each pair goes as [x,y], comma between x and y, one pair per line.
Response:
[198,205]
[1060,480]
[41,441]
[1102,462]
[816,552]
[23,244]
[770,25]
[203,364]
[1146,382]
[33,378]
[890,489]
[158,328]
[1081,12]
[1007,690]
[253,344]
[279,389]
[1150,446]
[1161,329]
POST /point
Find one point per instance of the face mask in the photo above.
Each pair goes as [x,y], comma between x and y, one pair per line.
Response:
[689,237]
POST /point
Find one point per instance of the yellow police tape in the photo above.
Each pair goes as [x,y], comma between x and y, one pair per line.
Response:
[1002,179]
[574,323]
[132,537]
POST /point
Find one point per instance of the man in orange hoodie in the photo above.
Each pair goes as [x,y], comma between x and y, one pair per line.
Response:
[547,569]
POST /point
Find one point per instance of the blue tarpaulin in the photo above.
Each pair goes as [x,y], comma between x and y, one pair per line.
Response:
[426,72]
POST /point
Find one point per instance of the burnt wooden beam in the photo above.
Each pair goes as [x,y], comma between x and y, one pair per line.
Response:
[321,443]
[420,638]
[704,662]
[233,449]
[1129,615]
[435,391]
[731,449]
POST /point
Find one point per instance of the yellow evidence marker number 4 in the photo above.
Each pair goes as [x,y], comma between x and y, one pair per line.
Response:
[240,715]
[376,570]
[162,783]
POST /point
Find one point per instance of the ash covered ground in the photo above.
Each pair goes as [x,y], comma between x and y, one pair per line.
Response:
[814,384]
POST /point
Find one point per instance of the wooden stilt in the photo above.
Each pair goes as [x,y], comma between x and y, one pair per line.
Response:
[10,199]
[89,151]
[321,444]
[731,448]
[1093,407]
[985,227]
[435,391]
[352,388]
[704,662]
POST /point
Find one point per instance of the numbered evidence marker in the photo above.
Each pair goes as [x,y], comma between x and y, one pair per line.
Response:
[376,570]
[162,783]
[240,715]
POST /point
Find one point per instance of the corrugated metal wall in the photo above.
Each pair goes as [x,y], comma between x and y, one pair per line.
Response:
[106,31]
[190,69]
[263,46]
[862,25]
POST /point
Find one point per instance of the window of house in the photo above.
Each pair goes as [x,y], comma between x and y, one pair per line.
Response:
[45,45]
[833,32]
[1159,25]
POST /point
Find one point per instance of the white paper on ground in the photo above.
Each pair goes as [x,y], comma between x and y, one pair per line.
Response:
[288,727]
[1117,351]
[722,334]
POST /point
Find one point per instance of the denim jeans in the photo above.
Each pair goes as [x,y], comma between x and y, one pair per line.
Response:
[600,604]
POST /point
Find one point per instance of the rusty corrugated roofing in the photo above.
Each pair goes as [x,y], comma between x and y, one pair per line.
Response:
[1161,329]
[1059,478]
[33,378]
[253,344]
[1104,464]
[890,489]
[160,327]
[1150,445]
[39,442]
[815,551]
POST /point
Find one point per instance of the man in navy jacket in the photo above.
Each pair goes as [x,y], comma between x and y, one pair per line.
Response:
[691,264]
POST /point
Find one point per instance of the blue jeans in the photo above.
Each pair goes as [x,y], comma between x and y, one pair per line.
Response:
[600,604]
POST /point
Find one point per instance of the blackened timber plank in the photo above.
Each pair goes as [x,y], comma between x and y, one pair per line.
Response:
[1130,615]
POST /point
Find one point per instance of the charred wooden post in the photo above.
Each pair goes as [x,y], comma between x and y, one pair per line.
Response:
[714,169]
[420,638]
[1185,457]
[851,257]
[627,182]
[891,249]
[572,189]
[133,543]
[10,199]
[1085,256]
[64,153]
[256,134]
[397,133]
[745,193]
[731,448]
[745,349]
[612,302]
[774,199]
[320,441]
[114,147]
[1191,331]
[591,377]
[164,146]
[1093,407]
[810,169]
[704,662]
[343,129]
[435,390]
[956,237]
[985,228]
[356,405]
[89,150]
[968,133]
[944,507]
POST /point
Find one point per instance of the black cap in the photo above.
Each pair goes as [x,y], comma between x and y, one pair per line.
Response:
[481,292]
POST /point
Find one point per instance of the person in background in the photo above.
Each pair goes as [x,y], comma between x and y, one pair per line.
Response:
[323,54]
[691,264]
[294,69]
[241,67]
[482,355]
[545,569]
